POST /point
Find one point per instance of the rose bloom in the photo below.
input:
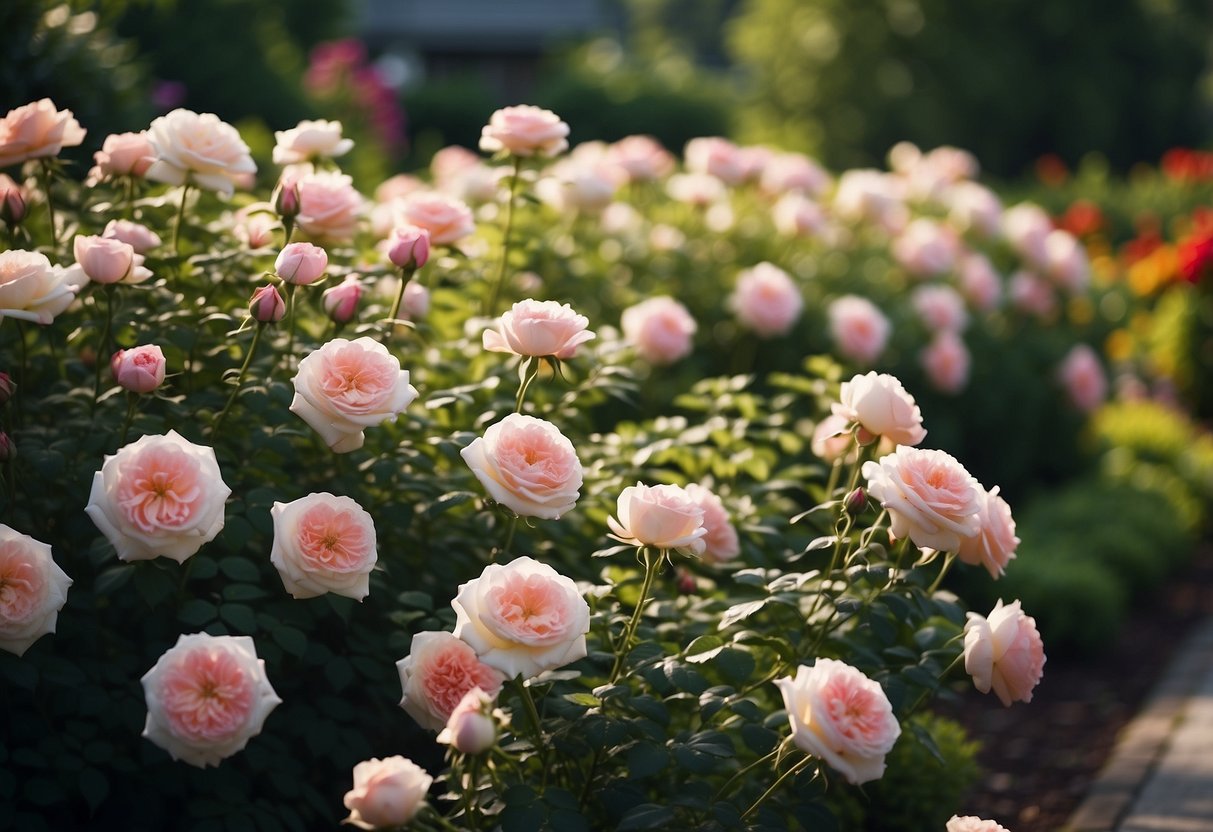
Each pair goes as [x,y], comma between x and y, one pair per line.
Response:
[323,543]
[1083,378]
[527,465]
[198,149]
[995,543]
[158,496]
[794,173]
[979,283]
[1003,651]
[940,308]
[841,716]
[974,208]
[329,206]
[415,304]
[139,237]
[310,140]
[662,516]
[879,404]
[699,189]
[446,165]
[524,130]
[108,260]
[36,131]
[930,496]
[340,302]
[344,387]
[970,823]
[447,219]
[718,157]
[926,248]
[571,187]
[207,696]
[720,543]
[32,590]
[832,439]
[642,158]
[31,289]
[539,328]
[766,300]
[659,329]
[946,361]
[865,195]
[472,728]
[1066,261]
[301,264]
[437,673]
[1032,294]
[123,154]
[387,793]
[858,328]
[798,216]
[522,618]
[255,224]
[139,369]
[1026,226]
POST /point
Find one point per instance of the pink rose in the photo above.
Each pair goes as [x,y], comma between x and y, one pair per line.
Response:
[32,590]
[266,305]
[940,307]
[787,173]
[329,206]
[36,131]
[124,154]
[539,328]
[662,516]
[207,696]
[641,158]
[832,439]
[720,543]
[416,302]
[841,716]
[873,197]
[409,247]
[447,219]
[946,360]
[858,328]
[527,465]
[107,260]
[979,283]
[438,672]
[256,224]
[159,496]
[139,369]
[522,618]
[973,207]
[1066,261]
[1026,226]
[1082,376]
[798,216]
[139,237]
[925,248]
[310,140]
[341,301]
[879,404]
[930,497]
[446,165]
[1032,294]
[402,184]
[323,543]
[524,130]
[198,149]
[717,157]
[345,387]
[472,728]
[970,823]
[1004,652]
[13,202]
[994,544]
[699,189]
[572,186]
[387,793]
[31,289]
[301,264]
[766,300]
[659,329]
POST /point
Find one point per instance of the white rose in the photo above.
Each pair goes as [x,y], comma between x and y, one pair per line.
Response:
[31,289]
[879,404]
[198,149]
[309,140]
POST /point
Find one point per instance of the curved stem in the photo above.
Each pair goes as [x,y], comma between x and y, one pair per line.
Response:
[103,345]
[248,359]
[50,203]
[491,309]
[185,189]
[132,402]
[948,560]
[406,274]
[532,713]
[290,324]
[791,772]
[651,565]
[773,755]
[504,551]
[529,372]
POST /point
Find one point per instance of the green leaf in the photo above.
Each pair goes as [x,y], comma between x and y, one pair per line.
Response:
[735,664]
[290,639]
[646,759]
[243,592]
[240,569]
[197,613]
[587,700]
[113,579]
[239,616]
[740,612]
[94,786]
[416,600]
[153,583]
[646,816]
[703,648]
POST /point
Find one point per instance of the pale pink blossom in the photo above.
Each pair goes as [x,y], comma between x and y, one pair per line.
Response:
[1066,261]
[32,590]
[207,696]
[946,361]
[930,497]
[415,304]
[139,369]
[766,300]
[880,405]
[995,543]
[323,543]
[661,516]
[832,439]
[461,173]
[717,157]
[971,823]
[255,224]
[31,289]
[301,264]
[266,305]
[387,793]
[1003,652]
[660,329]
[1025,227]
[798,216]
[447,219]
[527,465]
[698,189]
[439,671]
[842,717]
[329,206]
[865,195]
[139,237]
[940,308]
[720,542]
[524,130]
[903,157]
[109,260]
[974,208]
[13,201]
[447,164]
[198,149]
[37,130]
[400,186]
[642,158]
[123,154]
[571,185]
[952,163]
[1082,376]
[472,728]
[786,173]
[340,302]
[310,140]
[979,282]
[522,618]
[858,328]
[926,248]
[539,328]
[1032,294]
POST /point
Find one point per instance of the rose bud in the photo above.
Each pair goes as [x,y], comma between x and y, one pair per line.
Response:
[472,728]
[286,198]
[139,369]
[12,202]
[856,502]
[7,388]
[341,301]
[8,450]
[267,305]
[107,260]
[409,246]
[301,264]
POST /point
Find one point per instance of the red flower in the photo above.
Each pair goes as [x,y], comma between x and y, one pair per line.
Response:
[1195,257]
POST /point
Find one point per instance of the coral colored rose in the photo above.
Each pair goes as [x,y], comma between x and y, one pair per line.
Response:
[946,361]
[139,237]
[310,140]
[329,206]
[387,793]
[1004,652]
[926,248]
[979,283]
[472,728]
[661,516]
[524,130]
[340,302]
[766,300]
[345,387]
[973,207]
[1082,376]
[970,823]
[198,149]
[798,216]
[786,173]
[940,308]
[641,158]
[438,672]
[207,696]
[32,590]
[108,260]
[720,543]
[539,328]
[930,496]
[124,154]
[266,305]
[323,543]
[139,369]
[159,496]
[31,289]
[527,465]
[717,157]
[659,329]
[858,328]
[841,716]
[36,131]
[995,543]
[409,247]
[879,404]
[447,219]
[301,264]
[522,618]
